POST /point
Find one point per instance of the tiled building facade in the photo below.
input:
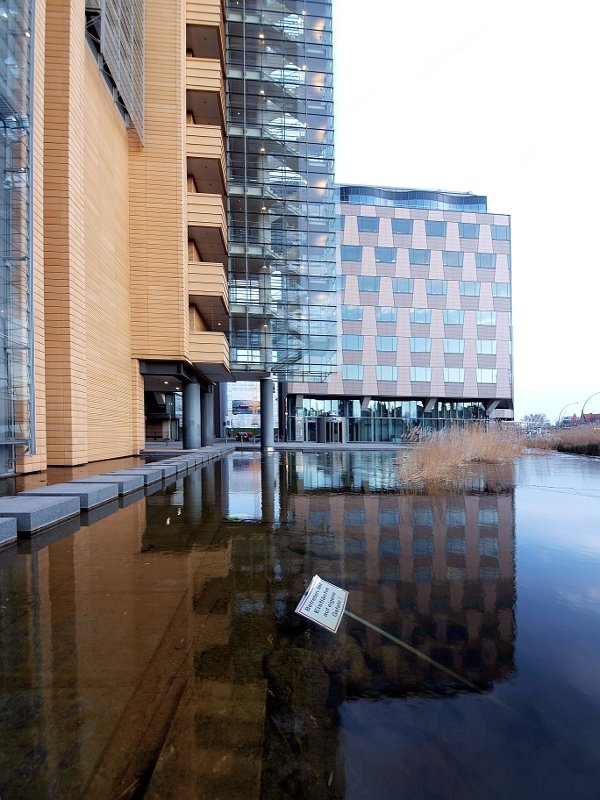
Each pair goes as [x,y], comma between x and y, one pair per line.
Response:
[424,314]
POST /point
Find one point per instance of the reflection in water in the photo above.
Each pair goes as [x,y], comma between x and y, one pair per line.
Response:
[157,651]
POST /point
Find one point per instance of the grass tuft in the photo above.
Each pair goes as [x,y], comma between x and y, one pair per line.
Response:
[443,457]
[584,440]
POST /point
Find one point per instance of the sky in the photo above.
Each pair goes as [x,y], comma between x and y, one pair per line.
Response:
[499,99]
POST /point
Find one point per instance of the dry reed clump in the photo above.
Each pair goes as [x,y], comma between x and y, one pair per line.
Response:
[443,456]
[583,439]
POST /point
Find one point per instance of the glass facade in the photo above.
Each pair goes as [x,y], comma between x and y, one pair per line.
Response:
[16,391]
[282,214]
[412,198]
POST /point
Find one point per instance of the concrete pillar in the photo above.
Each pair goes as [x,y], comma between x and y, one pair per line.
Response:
[191,416]
[192,496]
[266,415]
[207,422]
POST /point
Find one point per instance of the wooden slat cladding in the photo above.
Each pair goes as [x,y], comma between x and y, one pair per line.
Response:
[64,246]
[209,347]
[158,222]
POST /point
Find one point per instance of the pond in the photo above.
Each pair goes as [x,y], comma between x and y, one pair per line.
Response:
[156,653]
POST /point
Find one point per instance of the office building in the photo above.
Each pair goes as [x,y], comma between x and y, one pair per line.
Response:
[126,214]
[425,319]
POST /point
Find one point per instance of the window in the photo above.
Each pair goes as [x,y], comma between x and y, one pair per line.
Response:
[352,313]
[341,222]
[422,374]
[420,344]
[452,316]
[354,516]
[452,258]
[486,347]
[368,224]
[454,375]
[468,230]
[422,516]
[419,257]
[436,287]
[456,546]
[488,517]
[402,226]
[501,289]
[385,314]
[389,547]
[435,228]
[469,288]
[352,342]
[402,285]
[387,373]
[385,344]
[501,233]
[341,283]
[488,546]
[486,375]
[420,315]
[352,372]
[351,252]
[385,255]
[454,345]
[389,518]
[456,517]
[368,283]
[485,260]
[486,317]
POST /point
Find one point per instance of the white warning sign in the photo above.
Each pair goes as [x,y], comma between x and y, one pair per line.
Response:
[324,603]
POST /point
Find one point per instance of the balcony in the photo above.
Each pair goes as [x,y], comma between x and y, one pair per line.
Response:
[207,226]
[209,351]
[205,91]
[207,287]
[206,158]
[205,30]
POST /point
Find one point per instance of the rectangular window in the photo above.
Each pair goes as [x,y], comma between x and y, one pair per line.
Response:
[501,289]
[486,347]
[389,518]
[402,285]
[385,314]
[452,258]
[468,230]
[341,221]
[387,373]
[402,226]
[456,545]
[420,344]
[486,375]
[352,372]
[385,255]
[435,228]
[454,375]
[452,316]
[469,288]
[350,252]
[456,517]
[436,287]
[368,283]
[420,315]
[454,345]
[419,257]
[341,283]
[368,224]
[352,313]
[385,344]
[486,317]
[485,260]
[500,233]
[422,374]
[352,342]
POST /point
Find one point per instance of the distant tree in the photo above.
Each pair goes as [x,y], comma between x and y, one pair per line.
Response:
[539,420]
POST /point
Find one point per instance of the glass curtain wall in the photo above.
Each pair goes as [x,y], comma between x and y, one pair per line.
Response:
[281,196]
[16,392]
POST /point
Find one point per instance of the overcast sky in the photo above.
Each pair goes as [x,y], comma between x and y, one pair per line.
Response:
[499,99]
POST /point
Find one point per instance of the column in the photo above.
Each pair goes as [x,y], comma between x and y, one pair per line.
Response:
[207,421]
[191,416]
[266,414]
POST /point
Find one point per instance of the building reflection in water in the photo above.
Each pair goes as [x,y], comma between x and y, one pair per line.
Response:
[159,648]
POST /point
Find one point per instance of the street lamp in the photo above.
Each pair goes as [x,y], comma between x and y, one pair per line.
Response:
[582,420]
[563,409]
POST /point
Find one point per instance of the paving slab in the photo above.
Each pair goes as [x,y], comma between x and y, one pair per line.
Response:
[90,494]
[126,483]
[34,512]
[8,531]
[179,465]
[167,470]
[150,475]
